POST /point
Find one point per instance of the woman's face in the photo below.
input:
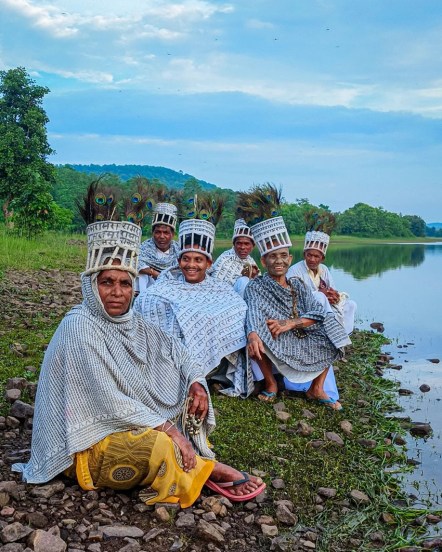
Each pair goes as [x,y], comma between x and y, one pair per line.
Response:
[115,290]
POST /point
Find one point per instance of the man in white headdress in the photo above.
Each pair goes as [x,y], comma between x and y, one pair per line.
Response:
[204,312]
[160,251]
[317,277]
[120,403]
[287,328]
[236,265]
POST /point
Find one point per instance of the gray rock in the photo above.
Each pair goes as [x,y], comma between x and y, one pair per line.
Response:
[46,491]
[12,395]
[153,534]
[44,541]
[265,520]
[405,392]
[16,383]
[432,518]
[177,544]
[308,414]
[162,514]
[14,532]
[278,484]
[304,429]
[285,516]
[10,487]
[12,422]
[21,410]
[420,429]
[327,492]
[121,531]
[131,547]
[280,407]
[269,530]
[4,499]
[12,547]
[186,520]
[430,544]
[346,427]
[209,532]
[283,416]
[425,388]
[284,544]
[209,516]
[359,497]
[334,438]
[37,519]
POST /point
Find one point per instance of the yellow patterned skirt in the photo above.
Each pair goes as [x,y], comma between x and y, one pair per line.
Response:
[142,457]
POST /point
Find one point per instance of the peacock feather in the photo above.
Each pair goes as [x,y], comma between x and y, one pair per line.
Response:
[258,204]
[320,220]
[99,203]
[204,206]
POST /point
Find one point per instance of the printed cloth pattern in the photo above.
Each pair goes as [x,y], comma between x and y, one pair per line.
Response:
[151,256]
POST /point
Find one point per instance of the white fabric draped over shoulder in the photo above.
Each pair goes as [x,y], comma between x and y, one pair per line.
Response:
[102,375]
[208,317]
[228,266]
[344,310]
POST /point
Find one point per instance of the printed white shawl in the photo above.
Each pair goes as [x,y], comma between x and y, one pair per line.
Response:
[266,299]
[102,375]
[150,256]
[228,266]
[208,317]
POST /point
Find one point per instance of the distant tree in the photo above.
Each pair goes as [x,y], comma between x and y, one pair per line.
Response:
[417,225]
[25,174]
[367,221]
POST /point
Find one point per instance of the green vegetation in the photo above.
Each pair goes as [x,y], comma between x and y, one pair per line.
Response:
[248,433]
[25,175]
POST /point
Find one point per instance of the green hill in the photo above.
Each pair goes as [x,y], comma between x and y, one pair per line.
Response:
[173,179]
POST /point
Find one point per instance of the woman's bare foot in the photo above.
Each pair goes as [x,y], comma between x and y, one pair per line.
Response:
[330,403]
[222,473]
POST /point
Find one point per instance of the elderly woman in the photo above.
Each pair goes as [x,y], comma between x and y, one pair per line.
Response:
[120,403]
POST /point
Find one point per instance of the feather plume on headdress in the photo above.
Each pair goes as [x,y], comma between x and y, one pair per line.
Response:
[99,203]
[204,206]
[319,220]
[260,203]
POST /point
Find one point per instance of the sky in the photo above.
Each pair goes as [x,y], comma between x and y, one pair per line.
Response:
[335,101]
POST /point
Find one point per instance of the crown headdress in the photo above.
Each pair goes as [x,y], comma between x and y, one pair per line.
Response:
[109,238]
[260,207]
[197,232]
[320,223]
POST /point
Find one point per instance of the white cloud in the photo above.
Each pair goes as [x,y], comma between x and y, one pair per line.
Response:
[258,24]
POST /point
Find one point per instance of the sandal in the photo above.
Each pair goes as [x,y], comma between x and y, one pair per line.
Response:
[267,396]
[328,403]
[223,489]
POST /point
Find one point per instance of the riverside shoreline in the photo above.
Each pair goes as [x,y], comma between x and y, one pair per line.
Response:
[329,474]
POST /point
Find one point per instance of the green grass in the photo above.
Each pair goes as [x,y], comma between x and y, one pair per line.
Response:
[48,251]
[248,435]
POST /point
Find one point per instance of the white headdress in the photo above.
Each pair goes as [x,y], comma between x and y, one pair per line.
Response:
[320,224]
[165,213]
[197,233]
[259,207]
[270,235]
[108,238]
[241,230]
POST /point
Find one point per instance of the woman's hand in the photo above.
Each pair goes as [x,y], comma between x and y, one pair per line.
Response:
[255,346]
[187,452]
[277,327]
[199,404]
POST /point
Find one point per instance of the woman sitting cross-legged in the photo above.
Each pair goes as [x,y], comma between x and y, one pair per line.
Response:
[120,403]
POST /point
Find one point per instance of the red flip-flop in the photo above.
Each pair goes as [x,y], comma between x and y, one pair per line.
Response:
[222,489]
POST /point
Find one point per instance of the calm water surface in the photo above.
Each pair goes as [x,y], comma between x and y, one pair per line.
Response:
[398,285]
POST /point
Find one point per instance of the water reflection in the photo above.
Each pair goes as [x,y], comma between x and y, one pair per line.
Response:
[362,262]
[397,285]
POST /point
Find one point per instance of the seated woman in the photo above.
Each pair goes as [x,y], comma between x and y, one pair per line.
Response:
[120,403]
[206,314]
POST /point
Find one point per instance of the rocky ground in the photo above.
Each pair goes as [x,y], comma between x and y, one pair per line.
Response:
[60,516]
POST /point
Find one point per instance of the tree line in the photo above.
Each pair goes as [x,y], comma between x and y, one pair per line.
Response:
[37,196]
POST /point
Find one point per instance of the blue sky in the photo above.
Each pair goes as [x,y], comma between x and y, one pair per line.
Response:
[336,101]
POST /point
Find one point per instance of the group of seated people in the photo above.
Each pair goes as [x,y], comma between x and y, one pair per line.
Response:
[123,398]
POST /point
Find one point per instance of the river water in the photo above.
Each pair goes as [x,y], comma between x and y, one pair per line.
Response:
[398,286]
